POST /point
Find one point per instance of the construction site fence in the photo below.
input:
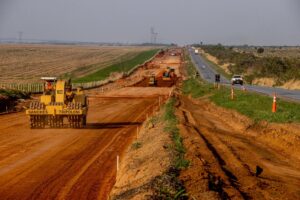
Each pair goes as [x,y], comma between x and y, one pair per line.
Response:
[39,87]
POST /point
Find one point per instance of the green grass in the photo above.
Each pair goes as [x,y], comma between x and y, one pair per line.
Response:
[168,185]
[14,94]
[171,127]
[136,145]
[255,106]
[123,66]
[192,87]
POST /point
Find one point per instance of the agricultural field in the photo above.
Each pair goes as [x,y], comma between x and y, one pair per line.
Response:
[27,63]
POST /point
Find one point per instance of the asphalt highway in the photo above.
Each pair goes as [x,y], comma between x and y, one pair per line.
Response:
[208,73]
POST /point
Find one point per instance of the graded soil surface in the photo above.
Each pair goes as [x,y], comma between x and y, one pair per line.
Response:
[68,163]
[77,163]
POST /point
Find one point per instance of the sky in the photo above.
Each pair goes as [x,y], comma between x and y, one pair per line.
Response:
[253,22]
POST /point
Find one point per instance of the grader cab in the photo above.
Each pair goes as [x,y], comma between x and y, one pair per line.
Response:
[58,106]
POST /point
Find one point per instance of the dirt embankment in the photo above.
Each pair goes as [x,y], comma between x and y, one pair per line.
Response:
[146,159]
[225,149]
[271,82]
[146,164]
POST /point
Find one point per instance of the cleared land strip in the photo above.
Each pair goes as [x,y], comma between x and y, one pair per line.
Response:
[68,163]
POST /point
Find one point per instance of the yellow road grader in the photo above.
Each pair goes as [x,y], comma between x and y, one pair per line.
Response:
[58,104]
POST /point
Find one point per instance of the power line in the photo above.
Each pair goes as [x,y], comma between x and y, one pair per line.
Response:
[153,38]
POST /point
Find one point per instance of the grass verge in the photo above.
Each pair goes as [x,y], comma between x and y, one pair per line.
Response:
[257,107]
[168,185]
[124,66]
[171,127]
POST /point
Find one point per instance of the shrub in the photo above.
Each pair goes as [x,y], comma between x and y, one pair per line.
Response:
[260,50]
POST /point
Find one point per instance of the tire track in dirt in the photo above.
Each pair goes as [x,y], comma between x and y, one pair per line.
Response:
[85,167]
[237,154]
[84,154]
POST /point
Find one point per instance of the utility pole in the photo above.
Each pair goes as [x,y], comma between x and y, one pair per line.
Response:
[20,34]
[153,39]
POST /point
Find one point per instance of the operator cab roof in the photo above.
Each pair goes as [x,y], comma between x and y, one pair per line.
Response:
[49,78]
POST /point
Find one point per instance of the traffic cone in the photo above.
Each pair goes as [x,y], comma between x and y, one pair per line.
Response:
[274,107]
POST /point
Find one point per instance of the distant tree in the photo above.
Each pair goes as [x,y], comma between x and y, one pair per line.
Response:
[260,50]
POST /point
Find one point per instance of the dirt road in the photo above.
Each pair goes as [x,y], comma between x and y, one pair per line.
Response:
[77,163]
[68,163]
[227,150]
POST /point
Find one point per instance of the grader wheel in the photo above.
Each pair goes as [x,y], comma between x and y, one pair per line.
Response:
[56,121]
[76,121]
[37,121]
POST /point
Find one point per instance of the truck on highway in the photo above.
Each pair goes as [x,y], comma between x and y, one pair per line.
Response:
[196,51]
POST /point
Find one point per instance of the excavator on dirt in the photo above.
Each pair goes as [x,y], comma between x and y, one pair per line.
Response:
[168,74]
[58,104]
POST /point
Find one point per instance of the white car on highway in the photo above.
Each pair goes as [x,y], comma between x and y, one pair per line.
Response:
[237,79]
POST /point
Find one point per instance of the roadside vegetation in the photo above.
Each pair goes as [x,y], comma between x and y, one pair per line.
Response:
[8,98]
[256,106]
[122,67]
[171,127]
[282,69]
[168,185]
[14,94]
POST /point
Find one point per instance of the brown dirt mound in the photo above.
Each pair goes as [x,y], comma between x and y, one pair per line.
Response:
[160,83]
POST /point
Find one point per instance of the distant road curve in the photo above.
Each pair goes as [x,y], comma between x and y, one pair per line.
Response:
[208,74]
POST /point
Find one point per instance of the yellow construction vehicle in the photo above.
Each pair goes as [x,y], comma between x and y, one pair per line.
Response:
[168,74]
[58,104]
[152,80]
